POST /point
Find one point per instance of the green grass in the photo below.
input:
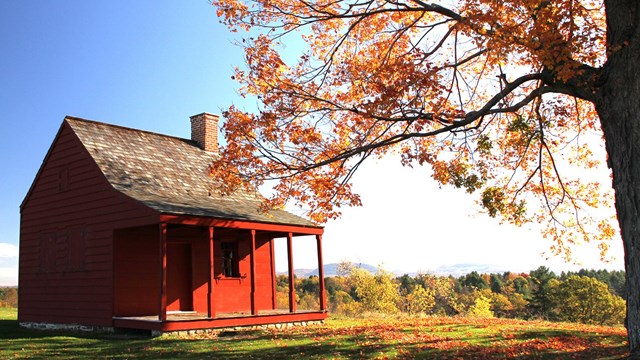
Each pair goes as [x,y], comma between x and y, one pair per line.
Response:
[422,338]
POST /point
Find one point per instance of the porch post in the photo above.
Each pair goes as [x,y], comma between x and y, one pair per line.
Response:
[162,301]
[274,298]
[322,299]
[211,313]
[253,273]
[292,290]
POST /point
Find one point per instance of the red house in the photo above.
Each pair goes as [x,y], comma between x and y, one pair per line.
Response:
[124,228]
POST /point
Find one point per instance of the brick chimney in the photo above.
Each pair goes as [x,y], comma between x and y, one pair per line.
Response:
[204,131]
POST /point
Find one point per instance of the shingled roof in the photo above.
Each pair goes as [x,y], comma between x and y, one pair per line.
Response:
[168,174]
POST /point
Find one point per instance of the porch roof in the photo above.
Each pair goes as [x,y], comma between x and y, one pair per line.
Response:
[169,174]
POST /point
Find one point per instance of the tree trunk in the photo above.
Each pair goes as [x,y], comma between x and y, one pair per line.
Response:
[618,105]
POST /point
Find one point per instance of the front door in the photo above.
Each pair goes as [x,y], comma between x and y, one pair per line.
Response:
[179,282]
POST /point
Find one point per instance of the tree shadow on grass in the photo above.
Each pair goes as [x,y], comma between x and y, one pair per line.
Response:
[358,347]
[11,329]
[205,349]
[534,344]
[312,343]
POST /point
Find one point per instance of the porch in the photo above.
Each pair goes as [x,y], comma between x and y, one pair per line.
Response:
[189,273]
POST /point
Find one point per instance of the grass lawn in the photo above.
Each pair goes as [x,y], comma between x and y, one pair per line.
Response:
[422,338]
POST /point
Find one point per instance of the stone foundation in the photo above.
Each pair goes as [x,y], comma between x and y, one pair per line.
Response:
[67,327]
[155,333]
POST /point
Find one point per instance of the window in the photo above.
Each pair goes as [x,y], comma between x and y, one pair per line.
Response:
[63,180]
[62,251]
[230,259]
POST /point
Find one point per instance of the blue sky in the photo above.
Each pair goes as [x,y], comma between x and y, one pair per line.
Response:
[152,64]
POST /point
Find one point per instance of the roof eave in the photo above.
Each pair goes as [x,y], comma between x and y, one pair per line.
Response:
[198,220]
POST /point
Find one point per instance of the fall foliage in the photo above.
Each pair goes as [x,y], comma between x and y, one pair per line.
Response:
[589,297]
[508,100]
[460,90]
[8,297]
[587,300]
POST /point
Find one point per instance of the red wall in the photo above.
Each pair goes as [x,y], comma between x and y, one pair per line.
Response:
[197,240]
[66,232]
[72,221]
[230,294]
[136,271]
[234,294]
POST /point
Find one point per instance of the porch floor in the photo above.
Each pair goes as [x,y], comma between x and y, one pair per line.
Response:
[190,315]
[192,320]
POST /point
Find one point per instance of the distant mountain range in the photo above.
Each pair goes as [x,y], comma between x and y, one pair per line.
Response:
[329,270]
[446,270]
[332,269]
[463,269]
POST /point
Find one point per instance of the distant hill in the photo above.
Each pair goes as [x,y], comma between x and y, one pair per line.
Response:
[332,269]
[463,269]
[456,270]
[329,270]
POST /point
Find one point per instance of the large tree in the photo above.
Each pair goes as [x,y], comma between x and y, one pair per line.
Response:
[507,99]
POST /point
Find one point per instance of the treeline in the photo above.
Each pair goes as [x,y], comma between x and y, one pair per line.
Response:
[8,297]
[586,296]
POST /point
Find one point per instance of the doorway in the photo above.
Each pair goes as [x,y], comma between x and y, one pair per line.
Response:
[179,277]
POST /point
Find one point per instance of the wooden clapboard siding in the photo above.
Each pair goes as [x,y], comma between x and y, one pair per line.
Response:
[234,294]
[90,241]
[137,274]
[264,276]
[66,237]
